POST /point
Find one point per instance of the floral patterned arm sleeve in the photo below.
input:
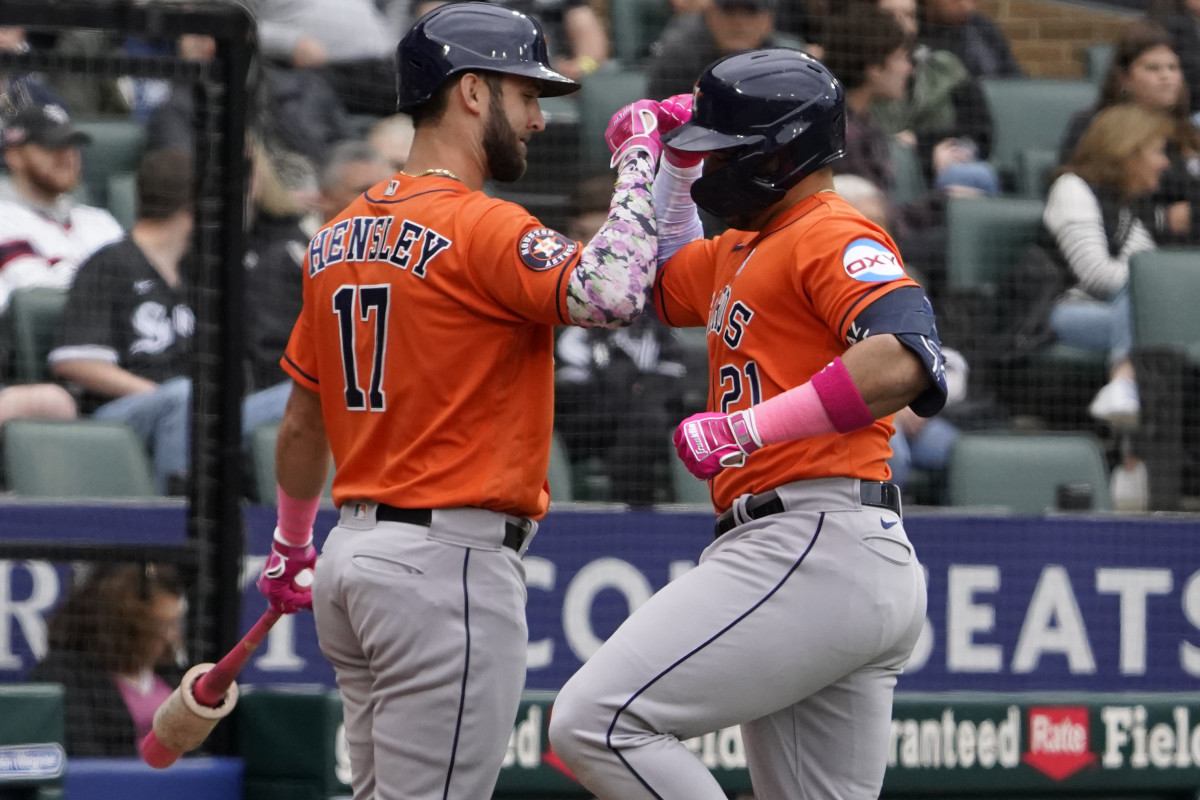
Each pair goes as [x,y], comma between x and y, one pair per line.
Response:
[611,283]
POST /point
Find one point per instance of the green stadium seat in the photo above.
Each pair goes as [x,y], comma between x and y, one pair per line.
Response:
[559,477]
[116,146]
[1021,472]
[1031,114]
[122,198]
[636,24]
[1163,287]
[262,467]
[34,317]
[1034,167]
[75,459]
[910,175]
[602,94]
[985,237]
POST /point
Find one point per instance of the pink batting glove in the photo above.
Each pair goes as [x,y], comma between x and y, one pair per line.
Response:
[634,127]
[710,442]
[673,112]
[287,577]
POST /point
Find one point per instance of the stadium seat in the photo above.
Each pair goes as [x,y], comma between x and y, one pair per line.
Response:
[603,92]
[1022,472]
[910,175]
[636,24]
[76,458]
[262,467]
[34,315]
[1034,167]
[116,146]
[559,476]
[1031,114]
[986,236]
[1163,285]
[122,198]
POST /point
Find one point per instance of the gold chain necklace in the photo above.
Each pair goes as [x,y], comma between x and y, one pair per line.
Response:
[445,173]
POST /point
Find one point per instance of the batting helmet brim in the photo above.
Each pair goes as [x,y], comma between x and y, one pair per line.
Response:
[692,138]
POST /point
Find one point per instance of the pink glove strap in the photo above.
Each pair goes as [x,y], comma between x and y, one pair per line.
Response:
[296,518]
[841,399]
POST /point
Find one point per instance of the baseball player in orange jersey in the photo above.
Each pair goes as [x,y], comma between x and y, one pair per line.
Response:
[423,359]
[805,608]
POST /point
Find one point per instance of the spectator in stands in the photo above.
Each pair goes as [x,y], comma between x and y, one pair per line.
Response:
[36,401]
[576,35]
[44,234]
[21,90]
[1181,18]
[959,26]
[350,43]
[693,41]
[1145,70]
[391,137]
[867,50]
[1091,230]
[943,113]
[127,330]
[116,646]
[618,392]
[352,168]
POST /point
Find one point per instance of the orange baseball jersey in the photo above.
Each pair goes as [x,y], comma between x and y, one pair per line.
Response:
[427,329]
[779,305]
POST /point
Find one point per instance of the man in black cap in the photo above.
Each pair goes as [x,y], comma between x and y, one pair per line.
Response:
[44,234]
[693,41]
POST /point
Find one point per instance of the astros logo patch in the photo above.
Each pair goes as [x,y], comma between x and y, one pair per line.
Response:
[869,261]
[542,249]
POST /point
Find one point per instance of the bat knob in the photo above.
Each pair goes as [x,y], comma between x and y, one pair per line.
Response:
[303,579]
[157,754]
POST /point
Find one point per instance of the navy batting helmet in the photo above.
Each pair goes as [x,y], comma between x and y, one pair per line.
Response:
[465,37]
[779,112]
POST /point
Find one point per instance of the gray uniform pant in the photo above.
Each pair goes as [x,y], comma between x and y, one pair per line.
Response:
[425,628]
[794,626]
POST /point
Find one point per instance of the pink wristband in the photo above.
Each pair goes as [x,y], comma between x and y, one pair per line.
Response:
[841,398]
[295,517]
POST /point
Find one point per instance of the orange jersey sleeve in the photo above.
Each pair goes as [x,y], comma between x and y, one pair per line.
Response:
[427,329]
[781,304]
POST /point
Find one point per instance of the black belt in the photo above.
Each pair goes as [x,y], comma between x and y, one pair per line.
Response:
[514,532]
[870,493]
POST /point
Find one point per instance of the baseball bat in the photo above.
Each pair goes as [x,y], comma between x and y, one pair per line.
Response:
[190,722]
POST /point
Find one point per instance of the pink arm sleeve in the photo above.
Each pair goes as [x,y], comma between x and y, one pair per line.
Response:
[827,403]
[295,518]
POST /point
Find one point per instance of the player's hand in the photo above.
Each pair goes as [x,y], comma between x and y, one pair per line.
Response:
[673,112]
[286,578]
[710,442]
[634,127]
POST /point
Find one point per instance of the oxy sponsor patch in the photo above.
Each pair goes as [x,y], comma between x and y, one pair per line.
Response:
[870,261]
[542,249]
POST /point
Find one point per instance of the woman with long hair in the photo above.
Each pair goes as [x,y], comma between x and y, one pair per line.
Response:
[116,646]
[1145,70]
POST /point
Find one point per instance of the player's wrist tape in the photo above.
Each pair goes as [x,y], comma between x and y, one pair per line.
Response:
[828,403]
[295,519]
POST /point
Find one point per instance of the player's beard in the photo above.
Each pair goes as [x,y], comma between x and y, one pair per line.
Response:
[501,147]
